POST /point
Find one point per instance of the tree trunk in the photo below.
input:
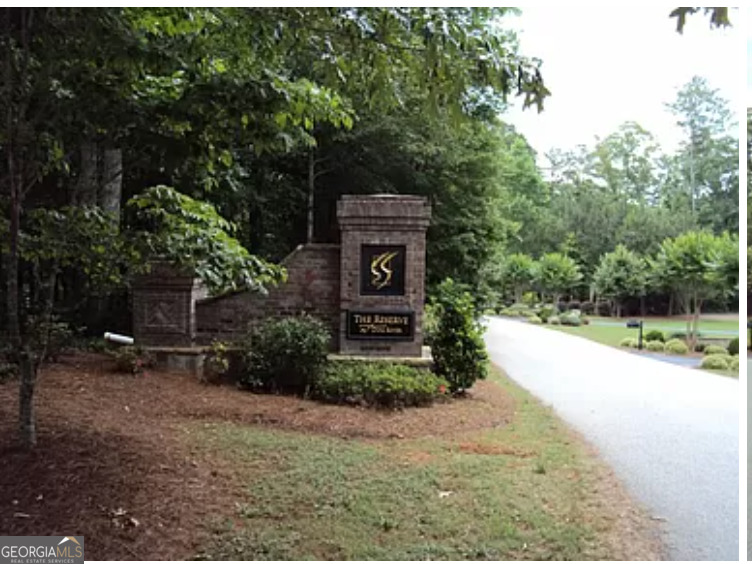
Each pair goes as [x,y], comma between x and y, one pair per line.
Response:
[618,310]
[85,192]
[112,183]
[311,187]
[670,304]
[517,295]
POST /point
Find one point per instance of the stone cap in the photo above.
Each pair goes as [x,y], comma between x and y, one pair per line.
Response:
[408,210]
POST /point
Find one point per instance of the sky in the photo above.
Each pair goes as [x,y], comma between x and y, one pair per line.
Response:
[606,65]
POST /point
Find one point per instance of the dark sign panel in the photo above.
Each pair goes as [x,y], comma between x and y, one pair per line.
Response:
[382,270]
[396,326]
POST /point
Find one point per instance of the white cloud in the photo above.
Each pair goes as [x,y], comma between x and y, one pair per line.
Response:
[606,65]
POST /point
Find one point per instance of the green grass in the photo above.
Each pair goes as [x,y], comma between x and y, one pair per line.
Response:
[528,496]
[613,334]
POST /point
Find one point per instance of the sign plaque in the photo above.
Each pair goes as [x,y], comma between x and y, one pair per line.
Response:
[382,270]
[380,325]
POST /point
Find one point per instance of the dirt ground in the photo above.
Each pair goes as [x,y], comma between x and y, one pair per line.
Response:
[113,463]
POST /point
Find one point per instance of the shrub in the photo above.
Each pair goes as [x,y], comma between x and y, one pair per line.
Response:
[518,307]
[630,342]
[378,383]
[715,362]
[587,307]
[285,354]
[561,306]
[529,299]
[457,345]
[545,311]
[655,335]
[733,347]
[585,320]
[700,347]
[734,364]
[527,314]
[535,320]
[50,337]
[570,319]
[510,313]
[132,360]
[714,349]
[675,346]
[8,371]
[554,320]
[655,346]
[216,363]
[574,304]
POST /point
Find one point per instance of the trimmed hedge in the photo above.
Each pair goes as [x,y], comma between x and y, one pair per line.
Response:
[655,335]
[285,354]
[675,346]
[378,384]
[629,342]
[716,362]
[655,346]
[733,347]
[570,319]
[714,349]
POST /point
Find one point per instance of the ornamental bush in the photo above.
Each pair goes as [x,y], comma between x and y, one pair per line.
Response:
[733,347]
[456,343]
[554,320]
[734,364]
[675,346]
[571,319]
[546,311]
[378,384]
[132,360]
[715,362]
[714,349]
[655,346]
[284,354]
[655,335]
[535,320]
[629,342]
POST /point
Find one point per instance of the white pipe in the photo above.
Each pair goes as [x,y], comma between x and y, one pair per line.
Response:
[121,339]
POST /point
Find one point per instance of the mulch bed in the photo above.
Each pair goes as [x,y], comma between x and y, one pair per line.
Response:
[112,462]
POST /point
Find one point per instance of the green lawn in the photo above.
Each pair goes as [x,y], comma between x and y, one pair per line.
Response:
[530,490]
[613,334]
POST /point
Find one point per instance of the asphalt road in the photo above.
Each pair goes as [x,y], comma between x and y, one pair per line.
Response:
[671,434]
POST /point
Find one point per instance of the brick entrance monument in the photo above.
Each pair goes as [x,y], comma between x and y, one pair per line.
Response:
[382,273]
[369,289]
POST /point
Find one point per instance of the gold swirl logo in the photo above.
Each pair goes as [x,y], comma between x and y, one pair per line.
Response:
[381,268]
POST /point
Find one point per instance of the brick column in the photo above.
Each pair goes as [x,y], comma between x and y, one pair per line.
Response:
[382,274]
[164,307]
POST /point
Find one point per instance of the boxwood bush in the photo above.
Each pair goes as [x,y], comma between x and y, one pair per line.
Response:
[733,347]
[655,335]
[655,346]
[378,384]
[714,349]
[630,342]
[284,354]
[716,362]
[734,363]
[571,319]
[675,346]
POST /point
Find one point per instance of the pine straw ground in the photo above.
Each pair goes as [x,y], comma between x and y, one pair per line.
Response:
[125,461]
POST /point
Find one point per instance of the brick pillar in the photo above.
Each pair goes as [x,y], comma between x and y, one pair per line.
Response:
[164,307]
[382,273]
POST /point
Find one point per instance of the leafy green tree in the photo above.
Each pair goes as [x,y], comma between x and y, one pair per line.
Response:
[695,267]
[556,274]
[620,275]
[518,273]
